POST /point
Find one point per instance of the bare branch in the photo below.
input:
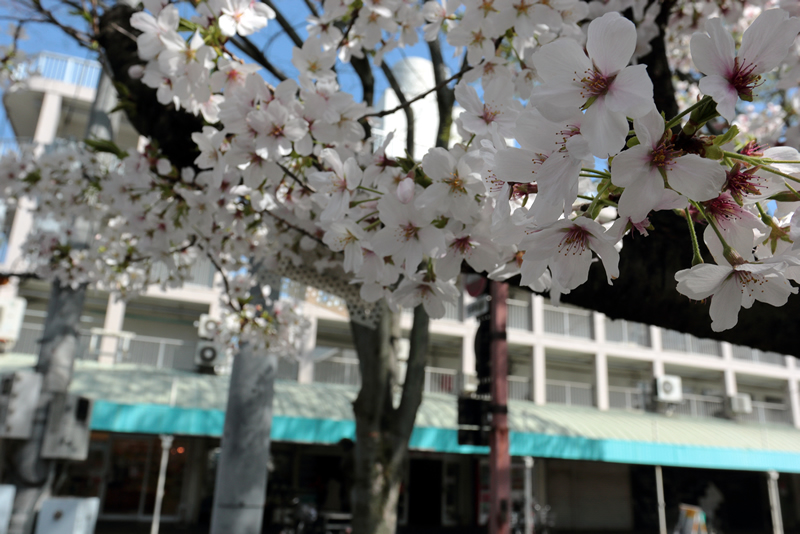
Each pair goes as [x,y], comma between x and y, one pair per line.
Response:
[445,96]
[296,179]
[420,96]
[311,8]
[405,105]
[287,27]
[248,47]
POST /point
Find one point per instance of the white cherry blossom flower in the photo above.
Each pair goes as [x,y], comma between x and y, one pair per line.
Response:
[730,76]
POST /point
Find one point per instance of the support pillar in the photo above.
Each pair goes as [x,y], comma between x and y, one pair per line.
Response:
[662,506]
[601,381]
[539,375]
[729,375]
[115,317]
[166,444]
[528,515]
[47,123]
[774,502]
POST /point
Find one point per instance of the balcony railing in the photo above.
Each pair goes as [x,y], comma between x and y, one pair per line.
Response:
[519,314]
[63,68]
[755,355]
[519,388]
[768,413]
[621,331]
[621,398]
[672,340]
[440,380]
[569,393]
[342,370]
[30,334]
[568,322]
[701,406]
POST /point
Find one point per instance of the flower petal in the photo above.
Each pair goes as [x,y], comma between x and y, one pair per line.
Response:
[713,52]
[604,130]
[766,42]
[723,93]
[698,178]
[611,42]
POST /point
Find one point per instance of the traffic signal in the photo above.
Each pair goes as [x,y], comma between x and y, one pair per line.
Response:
[473,420]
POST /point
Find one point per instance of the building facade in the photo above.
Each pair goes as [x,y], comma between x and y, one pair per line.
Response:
[582,402]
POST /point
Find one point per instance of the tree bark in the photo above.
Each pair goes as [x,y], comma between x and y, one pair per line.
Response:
[31,474]
[383,430]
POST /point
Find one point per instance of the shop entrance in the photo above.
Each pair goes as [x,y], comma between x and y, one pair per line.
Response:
[425,493]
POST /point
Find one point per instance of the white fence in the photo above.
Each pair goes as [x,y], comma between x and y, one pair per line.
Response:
[519,388]
[621,398]
[768,412]
[755,355]
[621,331]
[672,340]
[701,406]
[568,322]
[440,380]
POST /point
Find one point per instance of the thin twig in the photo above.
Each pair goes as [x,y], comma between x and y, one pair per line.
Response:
[296,179]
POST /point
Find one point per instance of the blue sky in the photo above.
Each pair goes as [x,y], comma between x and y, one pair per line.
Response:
[272,40]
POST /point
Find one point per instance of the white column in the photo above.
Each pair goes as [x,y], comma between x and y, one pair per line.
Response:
[49,117]
[468,348]
[115,316]
[601,381]
[662,515]
[658,368]
[655,339]
[729,374]
[774,502]
[166,444]
[794,391]
[538,315]
[539,378]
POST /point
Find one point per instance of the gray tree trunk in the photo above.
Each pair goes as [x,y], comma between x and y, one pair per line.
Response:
[383,430]
[32,475]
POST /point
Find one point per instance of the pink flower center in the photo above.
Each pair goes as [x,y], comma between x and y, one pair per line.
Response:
[489,114]
[462,245]
[743,79]
[596,84]
[455,183]
[723,209]
[663,155]
[574,241]
[741,182]
[409,231]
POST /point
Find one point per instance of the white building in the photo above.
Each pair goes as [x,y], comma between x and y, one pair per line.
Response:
[581,397]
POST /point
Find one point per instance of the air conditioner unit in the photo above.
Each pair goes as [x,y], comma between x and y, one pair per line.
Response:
[207,354]
[669,389]
[740,403]
[12,312]
[19,397]
[66,436]
[207,327]
[68,515]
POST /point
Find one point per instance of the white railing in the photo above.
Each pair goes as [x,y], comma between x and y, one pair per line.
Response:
[519,388]
[755,355]
[440,380]
[341,370]
[569,393]
[621,398]
[30,334]
[621,331]
[155,351]
[568,322]
[672,340]
[519,314]
[768,412]
[201,272]
[701,406]
[63,68]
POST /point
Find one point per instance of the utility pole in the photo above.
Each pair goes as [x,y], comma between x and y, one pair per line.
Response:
[30,473]
[499,457]
[241,486]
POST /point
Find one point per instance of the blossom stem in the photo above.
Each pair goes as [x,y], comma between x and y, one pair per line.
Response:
[697,259]
[600,174]
[369,189]
[602,200]
[603,188]
[367,216]
[765,218]
[677,119]
[760,163]
[355,203]
[727,251]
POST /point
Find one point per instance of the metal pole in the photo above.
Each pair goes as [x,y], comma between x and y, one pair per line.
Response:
[166,444]
[774,502]
[528,495]
[662,506]
[499,457]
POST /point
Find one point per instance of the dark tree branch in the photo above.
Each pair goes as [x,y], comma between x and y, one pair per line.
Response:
[405,105]
[415,372]
[364,71]
[445,96]
[248,47]
[311,8]
[287,27]
[658,65]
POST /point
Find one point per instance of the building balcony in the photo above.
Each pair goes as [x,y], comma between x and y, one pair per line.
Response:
[62,68]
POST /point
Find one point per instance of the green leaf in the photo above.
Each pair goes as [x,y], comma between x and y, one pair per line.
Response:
[104,145]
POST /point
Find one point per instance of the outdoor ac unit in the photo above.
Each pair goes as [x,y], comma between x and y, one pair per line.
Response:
[207,354]
[669,389]
[741,403]
[11,313]
[66,436]
[19,396]
[207,327]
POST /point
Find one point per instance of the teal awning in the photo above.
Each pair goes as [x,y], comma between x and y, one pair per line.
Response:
[134,399]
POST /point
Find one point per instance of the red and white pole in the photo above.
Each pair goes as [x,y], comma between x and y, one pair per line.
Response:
[499,457]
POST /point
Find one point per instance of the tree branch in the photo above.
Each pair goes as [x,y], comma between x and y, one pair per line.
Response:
[405,105]
[445,96]
[248,47]
[415,373]
[287,27]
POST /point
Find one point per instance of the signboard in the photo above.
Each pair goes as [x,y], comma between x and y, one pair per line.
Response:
[479,307]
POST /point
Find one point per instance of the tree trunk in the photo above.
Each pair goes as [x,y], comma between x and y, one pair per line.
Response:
[383,430]
[32,475]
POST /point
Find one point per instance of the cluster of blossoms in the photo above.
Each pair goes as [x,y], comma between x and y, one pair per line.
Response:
[286,176]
